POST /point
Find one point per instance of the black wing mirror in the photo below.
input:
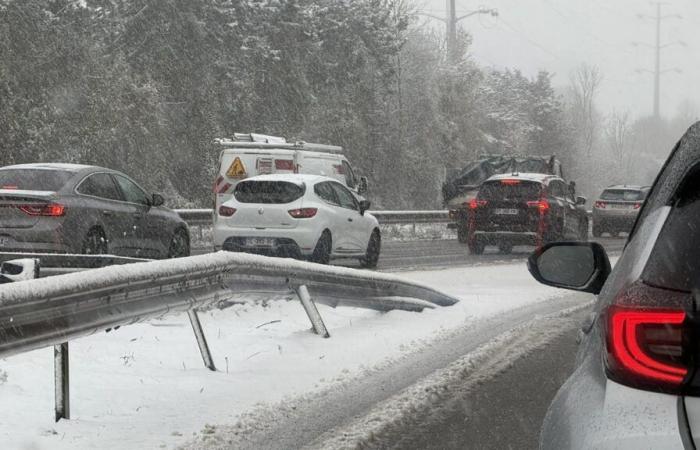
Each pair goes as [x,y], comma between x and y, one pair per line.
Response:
[157,200]
[578,266]
[581,200]
[364,206]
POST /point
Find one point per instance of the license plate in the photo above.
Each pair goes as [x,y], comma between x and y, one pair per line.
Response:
[505,212]
[260,242]
[619,206]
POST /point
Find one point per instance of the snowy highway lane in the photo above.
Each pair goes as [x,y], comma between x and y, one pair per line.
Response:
[277,384]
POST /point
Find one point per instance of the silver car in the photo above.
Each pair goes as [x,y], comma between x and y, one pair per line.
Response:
[70,208]
[636,383]
[617,208]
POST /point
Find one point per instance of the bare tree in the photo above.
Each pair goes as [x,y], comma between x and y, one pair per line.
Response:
[585,84]
[617,134]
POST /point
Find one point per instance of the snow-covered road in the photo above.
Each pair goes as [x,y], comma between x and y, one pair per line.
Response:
[144,386]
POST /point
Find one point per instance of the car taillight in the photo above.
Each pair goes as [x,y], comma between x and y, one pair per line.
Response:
[226,211]
[284,164]
[542,205]
[303,213]
[600,205]
[221,185]
[637,205]
[510,182]
[648,347]
[48,210]
[474,204]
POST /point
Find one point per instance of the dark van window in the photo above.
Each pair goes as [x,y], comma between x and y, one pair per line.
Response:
[267,192]
[510,190]
[99,185]
[34,179]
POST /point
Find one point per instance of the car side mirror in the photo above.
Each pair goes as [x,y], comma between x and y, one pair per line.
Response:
[578,266]
[157,200]
[363,186]
[580,200]
[364,206]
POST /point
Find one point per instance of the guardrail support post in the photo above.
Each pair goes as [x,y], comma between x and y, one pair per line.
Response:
[201,339]
[311,311]
[61,381]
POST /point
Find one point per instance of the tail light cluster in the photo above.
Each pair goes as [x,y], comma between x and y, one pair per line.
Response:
[474,204]
[303,213]
[226,211]
[649,346]
[542,205]
[637,205]
[221,185]
[45,210]
[600,205]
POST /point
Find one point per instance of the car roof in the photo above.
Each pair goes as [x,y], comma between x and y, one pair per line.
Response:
[536,177]
[296,178]
[53,166]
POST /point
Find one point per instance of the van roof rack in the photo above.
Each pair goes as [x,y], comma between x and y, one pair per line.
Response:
[252,140]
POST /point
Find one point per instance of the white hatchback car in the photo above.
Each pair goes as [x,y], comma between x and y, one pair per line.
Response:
[300,216]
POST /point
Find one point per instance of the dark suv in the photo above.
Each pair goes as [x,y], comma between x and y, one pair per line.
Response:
[525,209]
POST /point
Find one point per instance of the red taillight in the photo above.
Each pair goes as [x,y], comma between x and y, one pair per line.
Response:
[637,205]
[226,211]
[221,185]
[510,182]
[10,186]
[49,210]
[645,346]
[303,213]
[542,205]
[474,204]
[284,164]
[600,205]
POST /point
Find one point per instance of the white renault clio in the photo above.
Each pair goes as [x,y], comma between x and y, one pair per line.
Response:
[300,216]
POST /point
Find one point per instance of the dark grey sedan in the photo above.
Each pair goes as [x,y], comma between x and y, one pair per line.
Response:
[69,208]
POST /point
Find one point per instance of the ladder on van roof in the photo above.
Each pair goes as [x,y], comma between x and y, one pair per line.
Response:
[262,141]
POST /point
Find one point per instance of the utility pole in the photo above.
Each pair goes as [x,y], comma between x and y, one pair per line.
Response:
[657,47]
[451,25]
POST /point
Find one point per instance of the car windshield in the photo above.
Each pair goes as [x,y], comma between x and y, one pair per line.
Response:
[268,192]
[34,179]
[626,195]
[282,224]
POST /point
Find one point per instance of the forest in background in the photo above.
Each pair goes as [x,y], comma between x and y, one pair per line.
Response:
[145,86]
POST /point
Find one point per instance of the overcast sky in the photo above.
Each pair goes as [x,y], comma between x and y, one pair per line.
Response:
[559,35]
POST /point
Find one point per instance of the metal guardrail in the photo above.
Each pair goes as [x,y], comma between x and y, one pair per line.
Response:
[55,310]
[205,216]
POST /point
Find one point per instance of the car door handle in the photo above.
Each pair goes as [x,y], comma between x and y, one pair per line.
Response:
[349,219]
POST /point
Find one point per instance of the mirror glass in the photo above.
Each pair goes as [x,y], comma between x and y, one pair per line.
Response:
[567,265]
[157,200]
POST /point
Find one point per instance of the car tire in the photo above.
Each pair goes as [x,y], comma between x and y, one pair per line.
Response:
[322,251]
[462,233]
[373,248]
[179,244]
[506,248]
[476,247]
[95,243]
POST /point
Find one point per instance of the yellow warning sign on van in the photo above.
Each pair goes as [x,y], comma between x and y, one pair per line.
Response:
[236,170]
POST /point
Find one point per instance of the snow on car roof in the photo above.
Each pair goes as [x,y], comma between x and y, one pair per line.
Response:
[538,177]
[50,166]
[295,178]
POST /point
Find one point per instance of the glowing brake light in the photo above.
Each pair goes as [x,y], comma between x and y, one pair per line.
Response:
[600,205]
[48,210]
[303,213]
[510,182]
[542,205]
[226,211]
[10,186]
[645,346]
[474,203]
[637,205]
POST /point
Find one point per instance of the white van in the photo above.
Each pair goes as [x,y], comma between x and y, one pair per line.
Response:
[248,155]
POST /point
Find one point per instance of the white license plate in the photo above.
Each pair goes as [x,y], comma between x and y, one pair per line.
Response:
[260,242]
[619,206]
[505,212]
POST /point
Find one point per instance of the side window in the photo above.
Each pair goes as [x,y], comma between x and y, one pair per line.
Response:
[347,200]
[100,185]
[132,192]
[556,188]
[349,175]
[326,193]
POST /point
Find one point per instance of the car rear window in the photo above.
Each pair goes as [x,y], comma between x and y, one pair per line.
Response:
[510,190]
[623,195]
[267,192]
[34,179]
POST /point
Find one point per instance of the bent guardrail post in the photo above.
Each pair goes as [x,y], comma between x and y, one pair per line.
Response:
[201,339]
[61,369]
[310,307]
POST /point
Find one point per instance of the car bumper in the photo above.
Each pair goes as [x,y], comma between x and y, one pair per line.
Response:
[506,237]
[298,240]
[31,240]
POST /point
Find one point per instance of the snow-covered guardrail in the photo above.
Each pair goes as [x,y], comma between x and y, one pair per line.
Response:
[203,217]
[52,311]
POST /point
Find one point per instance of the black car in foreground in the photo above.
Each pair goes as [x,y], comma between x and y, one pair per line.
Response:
[525,209]
[70,208]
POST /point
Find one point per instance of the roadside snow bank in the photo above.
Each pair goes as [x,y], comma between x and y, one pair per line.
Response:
[144,386]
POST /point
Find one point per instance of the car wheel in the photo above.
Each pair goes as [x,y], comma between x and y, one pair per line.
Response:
[462,233]
[179,244]
[476,247]
[505,247]
[373,248]
[95,243]
[322,251]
